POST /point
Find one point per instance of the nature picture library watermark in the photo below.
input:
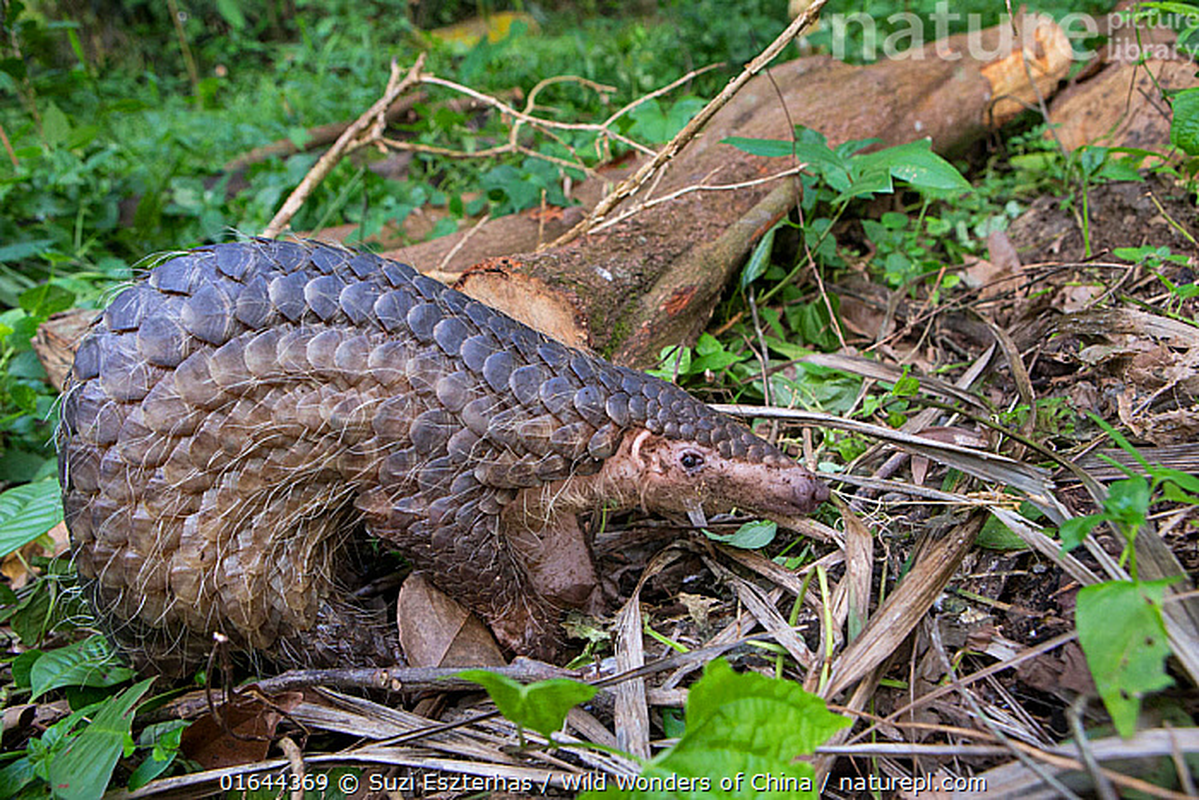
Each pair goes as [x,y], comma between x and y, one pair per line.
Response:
[905,34]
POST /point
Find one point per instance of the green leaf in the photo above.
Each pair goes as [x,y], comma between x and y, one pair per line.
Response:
[760,260]
[22,250]
[747,725]
[1123,636]
[541,706]
[916,163]
[997,536]
[46,299]
[86,663]
[749,536]
[867,184]
[1074,530]
[1184,480]
[786,349]
[1184,128]
[28,511]
[16,776]
[771,148]
[710,355]
[231,11]
[55,125]
[1127,503]
[83,771]
[906,386]
[163,739]
[31,619]
[675,360]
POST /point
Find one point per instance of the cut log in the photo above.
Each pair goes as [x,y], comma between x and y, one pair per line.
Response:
[1122,106]
[652,280]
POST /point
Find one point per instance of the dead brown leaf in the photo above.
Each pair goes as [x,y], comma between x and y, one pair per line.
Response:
[436,631]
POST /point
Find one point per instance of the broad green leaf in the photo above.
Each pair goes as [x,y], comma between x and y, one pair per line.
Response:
[163,739]
[1184,128]
[23,250]
[787,349]
[33,616]
[232,13]
[1074,530]
[1120,169]
[1123,636]
[997,536]
[541,706]
[866,184]
[749,536]
[83,771]
[46,299]
[1185,481]
[86,663]
[1127,502]
[760,260]
[16,776]
[675,361]
[28,511]
[747,725]
[916,163]
[55,125]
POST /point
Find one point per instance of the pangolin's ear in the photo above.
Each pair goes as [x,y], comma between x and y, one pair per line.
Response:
[642,451]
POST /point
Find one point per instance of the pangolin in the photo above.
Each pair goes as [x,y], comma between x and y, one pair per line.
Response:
[247,412]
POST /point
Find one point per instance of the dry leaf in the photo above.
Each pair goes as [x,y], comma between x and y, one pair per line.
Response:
[436,631]
[242,732]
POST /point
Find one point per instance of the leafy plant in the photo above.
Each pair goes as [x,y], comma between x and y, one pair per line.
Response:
[541,705]
[737,726]
[1120,624]
[1155,258]
[1123,636]
[75,757]
[839,175]
[28,511]
[750,536]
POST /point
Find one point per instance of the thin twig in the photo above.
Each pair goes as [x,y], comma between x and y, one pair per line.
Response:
[539,122]
[8,148]
[634,182]
[700,187]
[355,136]
[192,73]
[659,92]
[461,242]
[295,759]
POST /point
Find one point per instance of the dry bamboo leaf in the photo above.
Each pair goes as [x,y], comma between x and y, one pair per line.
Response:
[632,707]
[1135,754]
[1036,482]
[851,600]
[932,567]
[868,368]
[780,575]
[1109,322]
[763,610]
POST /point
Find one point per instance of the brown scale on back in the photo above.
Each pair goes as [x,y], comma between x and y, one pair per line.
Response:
[235,417]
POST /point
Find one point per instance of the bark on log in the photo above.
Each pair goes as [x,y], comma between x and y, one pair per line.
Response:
[1122,106]
[653,280]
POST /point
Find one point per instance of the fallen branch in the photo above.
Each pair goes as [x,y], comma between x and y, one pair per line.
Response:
[634,182]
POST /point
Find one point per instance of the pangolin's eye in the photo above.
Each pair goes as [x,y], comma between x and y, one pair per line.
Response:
[691,461]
